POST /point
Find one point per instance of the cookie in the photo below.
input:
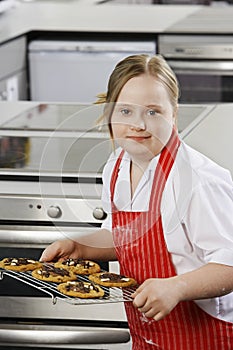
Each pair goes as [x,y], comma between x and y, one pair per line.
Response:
[109,279]
[50,273]
[81,289]
[20,264]
[79,266]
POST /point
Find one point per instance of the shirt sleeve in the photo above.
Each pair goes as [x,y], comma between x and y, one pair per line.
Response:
[107,224]
[209,222]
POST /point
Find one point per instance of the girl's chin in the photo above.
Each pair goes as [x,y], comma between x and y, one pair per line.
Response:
[138,150]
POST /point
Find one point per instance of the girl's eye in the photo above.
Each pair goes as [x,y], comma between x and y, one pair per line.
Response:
[125,111]
[151,112]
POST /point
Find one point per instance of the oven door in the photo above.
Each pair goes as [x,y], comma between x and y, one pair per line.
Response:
[31,318]
[204,81]
[44,337]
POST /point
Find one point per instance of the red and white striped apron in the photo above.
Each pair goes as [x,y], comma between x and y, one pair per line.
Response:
[142,253]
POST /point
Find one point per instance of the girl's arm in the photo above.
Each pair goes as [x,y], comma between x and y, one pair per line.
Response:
[95,246]
[157,297]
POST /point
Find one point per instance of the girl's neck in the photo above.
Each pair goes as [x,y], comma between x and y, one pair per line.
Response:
[141,162]
[137,169]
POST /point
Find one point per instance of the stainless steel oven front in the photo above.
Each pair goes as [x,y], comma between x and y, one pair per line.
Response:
[33,315]
[203,65]
[51,160]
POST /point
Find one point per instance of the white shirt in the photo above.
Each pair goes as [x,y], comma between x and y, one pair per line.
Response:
[196,208]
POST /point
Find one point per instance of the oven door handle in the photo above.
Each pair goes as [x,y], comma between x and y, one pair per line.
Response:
[217,67]
[81,335]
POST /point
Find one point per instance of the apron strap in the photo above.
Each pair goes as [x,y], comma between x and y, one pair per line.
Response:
[165,163]
[115,175]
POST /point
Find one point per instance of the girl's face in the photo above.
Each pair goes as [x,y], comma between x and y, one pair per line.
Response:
[143,117]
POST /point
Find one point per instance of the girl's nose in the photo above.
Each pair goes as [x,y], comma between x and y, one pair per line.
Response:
[138,124]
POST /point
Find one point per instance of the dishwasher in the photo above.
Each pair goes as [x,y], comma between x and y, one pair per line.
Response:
[76,71]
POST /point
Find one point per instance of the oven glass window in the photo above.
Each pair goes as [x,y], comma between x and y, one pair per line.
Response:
[12,287]
[205,88]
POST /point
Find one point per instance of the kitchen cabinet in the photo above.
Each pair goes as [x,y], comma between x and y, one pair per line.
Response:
[13,75]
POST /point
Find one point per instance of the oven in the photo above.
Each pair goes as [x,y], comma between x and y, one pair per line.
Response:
[203,65]
[51,158]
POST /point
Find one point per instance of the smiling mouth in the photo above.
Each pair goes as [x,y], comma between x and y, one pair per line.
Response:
[138,138]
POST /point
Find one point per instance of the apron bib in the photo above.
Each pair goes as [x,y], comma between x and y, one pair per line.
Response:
[142,253]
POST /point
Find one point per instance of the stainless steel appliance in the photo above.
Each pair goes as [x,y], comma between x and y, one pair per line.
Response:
[50,185]
[203,65]
[51,159]
[76,70]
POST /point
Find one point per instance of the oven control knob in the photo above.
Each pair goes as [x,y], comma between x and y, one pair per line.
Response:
[99,213]
[54,212]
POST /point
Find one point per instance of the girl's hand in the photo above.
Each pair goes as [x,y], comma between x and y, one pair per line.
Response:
[60,250]
[95,246]
[156,297]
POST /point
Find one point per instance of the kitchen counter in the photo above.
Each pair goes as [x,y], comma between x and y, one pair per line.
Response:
[9,110]
[74,16]
[91,17]
[208,20]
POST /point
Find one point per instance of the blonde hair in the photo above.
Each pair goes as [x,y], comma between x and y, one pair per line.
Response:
[131,67]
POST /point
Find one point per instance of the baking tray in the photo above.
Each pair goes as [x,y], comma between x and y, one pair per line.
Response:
[111,295]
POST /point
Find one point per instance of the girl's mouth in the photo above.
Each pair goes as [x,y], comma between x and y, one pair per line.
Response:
[138,138]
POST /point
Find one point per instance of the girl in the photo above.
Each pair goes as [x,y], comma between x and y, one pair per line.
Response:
[170,217]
